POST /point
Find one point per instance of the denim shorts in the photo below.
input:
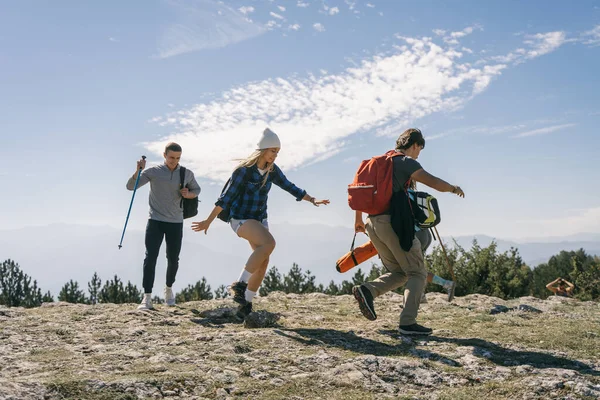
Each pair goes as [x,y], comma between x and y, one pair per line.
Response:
[236,223]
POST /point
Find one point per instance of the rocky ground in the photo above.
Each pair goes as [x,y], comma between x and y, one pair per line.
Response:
[303,347]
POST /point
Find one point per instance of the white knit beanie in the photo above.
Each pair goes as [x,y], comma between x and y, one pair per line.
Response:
[268,140]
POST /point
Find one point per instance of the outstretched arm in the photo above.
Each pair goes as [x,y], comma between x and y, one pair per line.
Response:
[314,201]
[280,180]
[551,287]
[204,225]
[436,183]
[571,286]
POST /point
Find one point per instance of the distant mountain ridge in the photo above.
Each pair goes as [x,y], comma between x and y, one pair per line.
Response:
[55,253]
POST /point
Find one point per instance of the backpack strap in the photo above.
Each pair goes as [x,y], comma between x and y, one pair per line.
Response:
[182,181]
[181,176]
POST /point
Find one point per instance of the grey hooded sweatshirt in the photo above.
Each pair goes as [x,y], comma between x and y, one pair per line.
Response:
[165,198]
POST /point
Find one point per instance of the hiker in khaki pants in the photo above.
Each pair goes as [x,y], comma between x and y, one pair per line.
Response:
[404,267]
[392,233]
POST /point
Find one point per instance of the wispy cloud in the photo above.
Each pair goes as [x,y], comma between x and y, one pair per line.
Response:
[319,27]
[334,10]
[545,130]
[205,24]
[352,6]
[316,115]
[274,15]
[281,8]
[453,37]
[592,37]
[112,39]
[302,4]
[520,129]
[535,46]
[272,24]
[544,43]
[370,5]
[246,9]
[294,27]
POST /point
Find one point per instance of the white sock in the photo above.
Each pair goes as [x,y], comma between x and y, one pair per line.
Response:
[245,276]
[148,296]
[249,295]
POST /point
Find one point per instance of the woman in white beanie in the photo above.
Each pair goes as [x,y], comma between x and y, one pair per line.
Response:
[245,198]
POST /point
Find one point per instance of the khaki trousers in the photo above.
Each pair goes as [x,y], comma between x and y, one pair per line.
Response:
[404,267]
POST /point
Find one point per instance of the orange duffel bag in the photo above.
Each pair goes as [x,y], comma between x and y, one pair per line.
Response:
[355,256]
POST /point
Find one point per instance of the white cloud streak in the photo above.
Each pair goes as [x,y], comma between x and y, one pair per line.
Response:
[315,116]
[592,37]
[246,10]
[544,43]
[407,85]
[334,10]
[545,130]
[535,46]
[319,27]
[205,24]
[274,15]
[453,37]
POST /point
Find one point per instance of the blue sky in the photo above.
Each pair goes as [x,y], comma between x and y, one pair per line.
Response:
[506,94]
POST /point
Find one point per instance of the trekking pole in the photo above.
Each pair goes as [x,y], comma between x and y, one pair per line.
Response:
[130,204]
[445,254]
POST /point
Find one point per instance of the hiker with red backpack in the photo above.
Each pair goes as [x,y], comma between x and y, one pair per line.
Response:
[380,189]
[243,205]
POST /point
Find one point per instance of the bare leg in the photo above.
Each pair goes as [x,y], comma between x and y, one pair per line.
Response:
[263,244]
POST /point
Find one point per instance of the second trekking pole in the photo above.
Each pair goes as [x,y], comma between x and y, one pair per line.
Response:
[445,254]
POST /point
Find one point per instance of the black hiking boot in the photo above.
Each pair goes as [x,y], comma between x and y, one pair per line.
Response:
[365,301]
[415,329]
[244,310]
[238,291]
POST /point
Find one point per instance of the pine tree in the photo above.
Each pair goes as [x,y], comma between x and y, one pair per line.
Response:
[112,291]
[131,294]
[48,298]
[332,289]
[71,293]
[221,292]
[94,287]
[16,289]
[272,282]
[200,291]
[294,280]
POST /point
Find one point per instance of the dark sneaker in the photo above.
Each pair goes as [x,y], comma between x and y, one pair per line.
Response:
[244,310]
[238,291]
[415,329]
[365,301]
[451,291]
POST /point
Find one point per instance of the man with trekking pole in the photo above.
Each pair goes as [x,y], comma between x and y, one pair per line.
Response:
[380,189]
[170,184]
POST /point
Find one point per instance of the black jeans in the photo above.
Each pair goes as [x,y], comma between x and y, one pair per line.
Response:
[173,234]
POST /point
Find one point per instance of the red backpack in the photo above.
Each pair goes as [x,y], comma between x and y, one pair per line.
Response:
[371,190]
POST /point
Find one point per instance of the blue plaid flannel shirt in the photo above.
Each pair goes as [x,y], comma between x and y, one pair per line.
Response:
[246,199]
